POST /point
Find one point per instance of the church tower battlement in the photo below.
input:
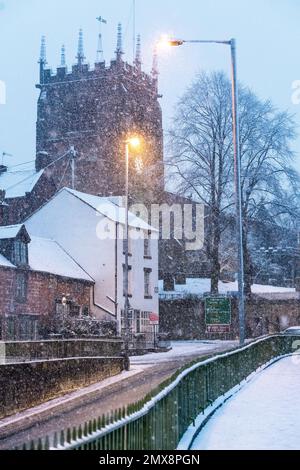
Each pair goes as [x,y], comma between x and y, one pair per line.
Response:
[94,110]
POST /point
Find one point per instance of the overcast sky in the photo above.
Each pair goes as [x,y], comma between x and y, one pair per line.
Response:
[267,33]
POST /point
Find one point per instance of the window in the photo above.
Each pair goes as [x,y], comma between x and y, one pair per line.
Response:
[62,309]
[129,280]
[4,213]
[130,320]
[21,287]
[145,322]
[129,246]
[147,283]
[19,252]
[85,311]
[138,321]
[74,310]
[147,250]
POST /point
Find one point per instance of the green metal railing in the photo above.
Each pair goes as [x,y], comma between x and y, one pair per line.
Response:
[160,423]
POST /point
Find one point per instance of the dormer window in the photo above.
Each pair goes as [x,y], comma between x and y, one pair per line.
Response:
[14,240]
[20,253]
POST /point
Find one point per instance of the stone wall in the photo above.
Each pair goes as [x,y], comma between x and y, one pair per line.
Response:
[54,349]
[29,384]
[185,318]
[92,109]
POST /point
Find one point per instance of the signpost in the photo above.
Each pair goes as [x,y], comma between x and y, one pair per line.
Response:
[153,319]
[217,314]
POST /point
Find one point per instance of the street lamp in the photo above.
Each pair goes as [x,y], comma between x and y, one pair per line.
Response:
[171,42]
[132,142]
[64,301]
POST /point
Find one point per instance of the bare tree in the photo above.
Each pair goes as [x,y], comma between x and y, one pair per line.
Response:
[201,149]
[201,160]
[269,180]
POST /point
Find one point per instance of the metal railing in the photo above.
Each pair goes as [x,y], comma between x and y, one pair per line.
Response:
[160,422]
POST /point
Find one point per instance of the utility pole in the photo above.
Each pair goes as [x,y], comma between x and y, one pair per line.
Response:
[134,28]
[73,154]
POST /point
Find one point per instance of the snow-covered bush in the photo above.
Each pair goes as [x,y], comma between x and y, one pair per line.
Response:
[71,327]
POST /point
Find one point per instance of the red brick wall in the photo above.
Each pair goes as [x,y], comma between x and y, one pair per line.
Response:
[42,292]
[7,277]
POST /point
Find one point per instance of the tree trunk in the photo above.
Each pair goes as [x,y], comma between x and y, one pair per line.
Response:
[248,271]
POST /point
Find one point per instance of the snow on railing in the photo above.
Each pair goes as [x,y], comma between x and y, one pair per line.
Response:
[164,418]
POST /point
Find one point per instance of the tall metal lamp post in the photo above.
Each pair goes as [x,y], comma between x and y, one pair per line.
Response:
[132,142]
[165,41]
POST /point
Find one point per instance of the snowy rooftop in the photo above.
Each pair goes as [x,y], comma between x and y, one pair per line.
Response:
[201,285]
[112,208]
[9,231]
[4,262]
[47,256]
[18,183]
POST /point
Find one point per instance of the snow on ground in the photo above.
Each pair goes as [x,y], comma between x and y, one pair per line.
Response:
[182,349]
[199,286]
[263,415]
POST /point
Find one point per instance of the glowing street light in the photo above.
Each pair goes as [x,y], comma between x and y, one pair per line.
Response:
[134,142]
[131,142]
[167,42]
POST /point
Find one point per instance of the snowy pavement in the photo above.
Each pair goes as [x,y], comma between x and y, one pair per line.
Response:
[263,415]
[182,349]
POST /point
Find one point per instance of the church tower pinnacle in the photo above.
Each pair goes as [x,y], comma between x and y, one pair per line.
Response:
[43,58]
[80,52]
[119,49]
[63,56]
[138,56]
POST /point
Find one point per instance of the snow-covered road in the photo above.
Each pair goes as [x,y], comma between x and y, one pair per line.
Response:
[181,349]
[264,415]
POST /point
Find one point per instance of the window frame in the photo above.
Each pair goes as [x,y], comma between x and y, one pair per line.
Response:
[147,284]
[21,289]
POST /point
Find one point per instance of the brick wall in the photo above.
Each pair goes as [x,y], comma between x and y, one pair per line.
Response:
[7,277]
[44,289]
[42,292]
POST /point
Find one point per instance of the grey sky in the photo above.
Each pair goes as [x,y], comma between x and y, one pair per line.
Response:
[267,33]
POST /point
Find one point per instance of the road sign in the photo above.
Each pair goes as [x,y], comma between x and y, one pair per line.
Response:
[219,329]
[153,319]
[217,311]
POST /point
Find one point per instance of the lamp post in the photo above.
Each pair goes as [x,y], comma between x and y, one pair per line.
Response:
[165,41]
[133,142]
[64,305]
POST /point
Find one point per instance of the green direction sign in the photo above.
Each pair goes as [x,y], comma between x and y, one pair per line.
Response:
[217,311]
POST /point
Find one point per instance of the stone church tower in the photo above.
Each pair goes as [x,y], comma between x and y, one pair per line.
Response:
[92,111]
